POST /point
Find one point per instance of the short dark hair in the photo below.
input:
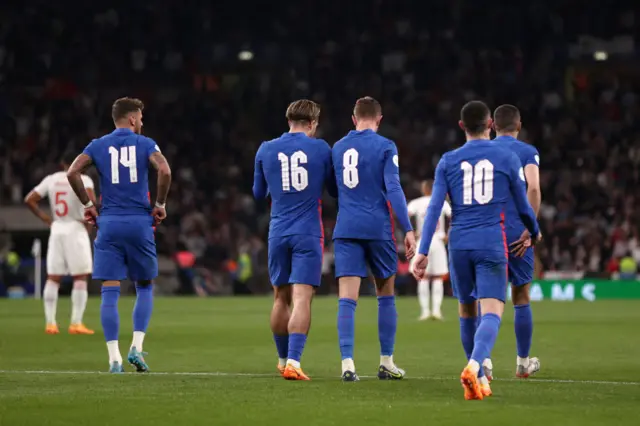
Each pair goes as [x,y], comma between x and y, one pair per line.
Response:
[506,118]
[68,157]
[125,106]
[303,110]
[367,107]
[475,116]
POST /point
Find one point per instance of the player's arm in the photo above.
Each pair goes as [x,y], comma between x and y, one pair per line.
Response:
[160,163]
[517,188]
[74,175]
[260,188]
[434,210]
[446,210]
[33,198]
[395,195]
[413,215]
[330,176]
[532,175]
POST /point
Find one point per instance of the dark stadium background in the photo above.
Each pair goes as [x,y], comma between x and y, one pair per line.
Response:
[570,66]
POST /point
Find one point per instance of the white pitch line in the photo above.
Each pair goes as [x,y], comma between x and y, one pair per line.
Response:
[225,374]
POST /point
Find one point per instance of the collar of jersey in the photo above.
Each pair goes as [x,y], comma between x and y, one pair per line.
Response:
[122,130]
[478,140]
[289,134]
[360,132]
[502,138]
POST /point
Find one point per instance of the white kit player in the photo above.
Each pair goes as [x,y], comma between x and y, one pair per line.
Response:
[438,265]
[69,248]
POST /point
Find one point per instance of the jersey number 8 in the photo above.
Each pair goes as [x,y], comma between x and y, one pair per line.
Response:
[480,177]
[127,157]
[350,168]
[299,178]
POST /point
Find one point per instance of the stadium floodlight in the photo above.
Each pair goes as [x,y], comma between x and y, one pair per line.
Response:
[600,55]
[245,55]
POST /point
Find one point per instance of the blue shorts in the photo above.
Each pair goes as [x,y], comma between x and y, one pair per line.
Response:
[295,259]
[125,247]
[521,268]
[478,274]
[352,257]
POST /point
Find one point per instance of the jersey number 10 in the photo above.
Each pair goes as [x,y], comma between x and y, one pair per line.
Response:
[127,157]
[480,177]
[293,174]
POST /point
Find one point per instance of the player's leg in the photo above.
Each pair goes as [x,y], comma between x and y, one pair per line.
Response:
[110,268]
[437,268]
[521,275]
[142,263]
[350,267]
[423,293]
[463,280]
[279,272]
[306,273]
[491,284]
[383,260]
[56,269]
[78,258]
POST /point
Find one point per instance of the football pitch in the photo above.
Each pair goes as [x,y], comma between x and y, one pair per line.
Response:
[213,363]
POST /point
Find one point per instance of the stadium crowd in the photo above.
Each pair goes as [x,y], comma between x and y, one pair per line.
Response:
[209,110]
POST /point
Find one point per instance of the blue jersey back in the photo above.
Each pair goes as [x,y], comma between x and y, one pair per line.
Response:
[361,160]
[122,161]
[527,154]
[479,178]
[293,169]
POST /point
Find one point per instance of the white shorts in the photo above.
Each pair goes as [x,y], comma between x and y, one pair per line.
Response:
[438,264]
[69,253]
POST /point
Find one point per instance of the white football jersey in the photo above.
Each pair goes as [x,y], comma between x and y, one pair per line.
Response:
[418,208]
[65,205]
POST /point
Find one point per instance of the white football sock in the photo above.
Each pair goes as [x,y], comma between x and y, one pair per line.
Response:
[483,380]
[114,352]
[138,339]
[387,361]
[437,289]
[79,296]
[487,363]
[423,296]
[282,361]
[475,367]
[293,363]
[348,365]
[523,361]
[50,297]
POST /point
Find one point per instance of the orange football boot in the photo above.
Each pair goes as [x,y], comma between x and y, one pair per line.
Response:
[292,373]
[52,329]
[80,329]
[281,368]
[486,390]
[470,384]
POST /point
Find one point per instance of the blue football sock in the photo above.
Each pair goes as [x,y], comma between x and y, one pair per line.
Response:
[468,328]
[346,326]
[524,329]
[387,324]
[296,345]
[143,307]
[485,337]
[282,344]
[109,313]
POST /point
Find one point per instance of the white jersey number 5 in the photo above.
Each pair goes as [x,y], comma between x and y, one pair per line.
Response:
[293,174]
[127,157]
[477,182]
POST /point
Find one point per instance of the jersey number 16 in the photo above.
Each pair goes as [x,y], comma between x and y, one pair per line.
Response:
[293,174]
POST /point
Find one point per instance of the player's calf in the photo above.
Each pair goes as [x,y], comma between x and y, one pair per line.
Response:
[298,328]
[348,290]
[523,327]
[50,299]
[280,315]
[111,320]
[79,296]
[387,326]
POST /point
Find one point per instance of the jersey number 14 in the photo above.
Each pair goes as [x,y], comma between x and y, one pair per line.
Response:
[477,182]
[127,157]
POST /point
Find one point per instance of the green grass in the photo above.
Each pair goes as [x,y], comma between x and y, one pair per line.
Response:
[577,342]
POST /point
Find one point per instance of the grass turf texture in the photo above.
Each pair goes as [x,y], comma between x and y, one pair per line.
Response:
[578,343]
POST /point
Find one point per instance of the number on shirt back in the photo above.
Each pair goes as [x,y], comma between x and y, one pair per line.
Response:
[477,182]
[293,174]
[127,157]
[350,168]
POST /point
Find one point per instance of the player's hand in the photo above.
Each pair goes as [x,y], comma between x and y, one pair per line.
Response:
[519,247]
[159,214]
[420,266]
[90,215]
[410,244]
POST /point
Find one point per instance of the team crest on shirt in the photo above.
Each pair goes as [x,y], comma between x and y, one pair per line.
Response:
[521,173]
[537,158]
[395,160]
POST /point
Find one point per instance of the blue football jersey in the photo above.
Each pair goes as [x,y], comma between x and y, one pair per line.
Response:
[480,179]
[294,170]
[527,154]
[368,181]
[122,161]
